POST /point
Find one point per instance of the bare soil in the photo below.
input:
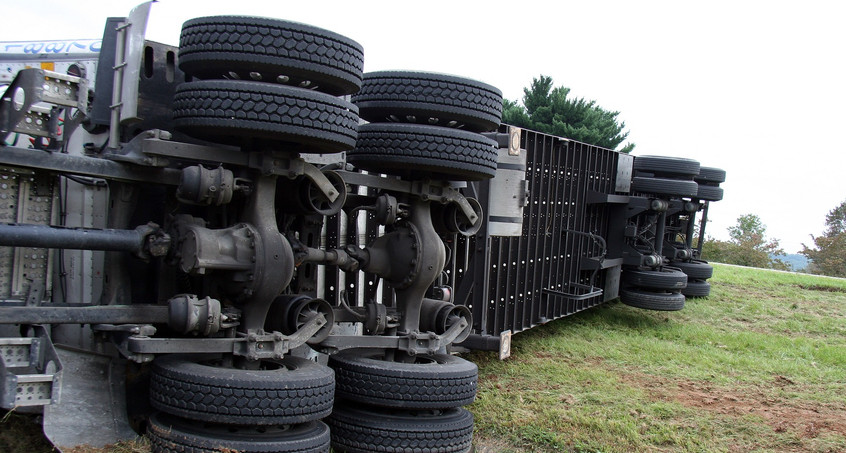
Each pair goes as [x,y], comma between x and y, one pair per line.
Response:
[804,419]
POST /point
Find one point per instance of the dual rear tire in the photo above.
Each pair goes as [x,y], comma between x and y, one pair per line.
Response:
[206,406]
[413,406]
[665,176]
[709,180]
[698,272]
[268,81]
[427,126]
[654,289]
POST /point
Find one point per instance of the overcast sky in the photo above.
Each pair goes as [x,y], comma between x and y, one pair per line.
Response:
[757,88]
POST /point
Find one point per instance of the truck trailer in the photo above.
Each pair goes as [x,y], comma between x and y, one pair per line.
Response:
[247,243]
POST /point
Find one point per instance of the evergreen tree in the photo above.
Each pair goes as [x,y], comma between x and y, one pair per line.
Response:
[550,110]
[828,257]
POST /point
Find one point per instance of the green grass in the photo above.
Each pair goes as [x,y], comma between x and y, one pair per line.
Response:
[760,365]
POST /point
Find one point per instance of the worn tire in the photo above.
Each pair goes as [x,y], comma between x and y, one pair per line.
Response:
[296,391]
[695,269]
[666,166]
[424,152]
[228,111]
[429,98]
[270,50]
[661,301]
[438,381]
[665,278]
[697,288]
[170,434]
[364,430]
[709,193]
[663,186]
[711,175]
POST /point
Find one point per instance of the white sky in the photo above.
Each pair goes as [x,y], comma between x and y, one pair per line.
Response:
[757,88]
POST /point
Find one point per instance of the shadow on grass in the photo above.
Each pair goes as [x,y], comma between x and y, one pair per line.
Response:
[611,316]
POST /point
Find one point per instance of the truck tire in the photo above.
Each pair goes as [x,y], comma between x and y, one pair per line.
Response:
[365,430]
[428,98]
[270,50]
[228,111]
[438,381]
[695,269]
[661,301]
[287,391]
[711,175]
[665,278]
[170,434]
[664,186]
[667,166]
[709,193]
[697,288]
[424,152]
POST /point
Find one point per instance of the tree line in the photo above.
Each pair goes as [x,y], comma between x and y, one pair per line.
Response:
[828,254]
[748,245]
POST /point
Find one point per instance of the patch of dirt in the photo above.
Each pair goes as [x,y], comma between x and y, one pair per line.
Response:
[828,289]
[137,446]
[488,445]
[21,433]
[806,419]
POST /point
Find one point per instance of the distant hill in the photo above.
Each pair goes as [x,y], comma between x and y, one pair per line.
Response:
[796,261]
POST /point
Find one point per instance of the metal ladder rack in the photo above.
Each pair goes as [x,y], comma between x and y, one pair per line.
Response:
[33,104]
[29,371]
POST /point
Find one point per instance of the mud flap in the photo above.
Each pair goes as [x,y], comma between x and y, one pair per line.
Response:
[92,410]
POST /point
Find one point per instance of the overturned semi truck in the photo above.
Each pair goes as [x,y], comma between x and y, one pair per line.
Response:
[247,243]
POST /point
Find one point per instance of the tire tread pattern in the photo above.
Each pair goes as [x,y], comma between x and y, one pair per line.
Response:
[709,193]
[227,395]
[358,431]
[695,269]
[661,301]
[663,186]
[418,151]
[451,382]
[168,434]
[436,99]
[711,175]
[211,47]
[669,279]
[697,288]
[677,166]
[229,109]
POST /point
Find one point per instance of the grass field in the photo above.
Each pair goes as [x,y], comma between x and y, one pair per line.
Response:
[760,365]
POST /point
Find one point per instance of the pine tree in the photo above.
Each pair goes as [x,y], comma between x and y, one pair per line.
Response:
[550,110]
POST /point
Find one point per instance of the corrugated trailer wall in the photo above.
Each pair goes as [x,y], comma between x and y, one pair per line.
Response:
[510,283]
[514,283]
